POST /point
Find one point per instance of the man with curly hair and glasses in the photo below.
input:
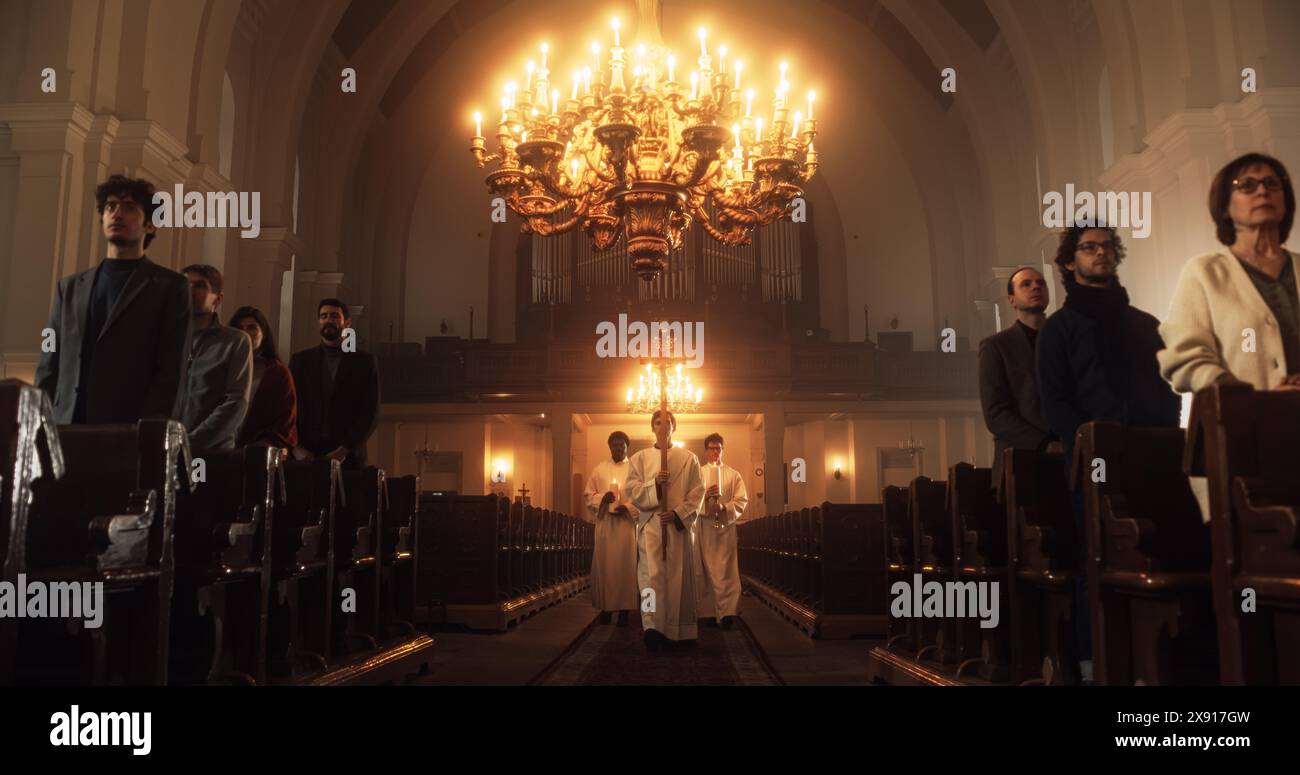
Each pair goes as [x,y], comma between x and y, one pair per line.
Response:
[1096,360]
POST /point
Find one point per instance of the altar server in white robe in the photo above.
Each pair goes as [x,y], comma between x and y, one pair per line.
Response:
[613,562]
[664,483]
[725,498]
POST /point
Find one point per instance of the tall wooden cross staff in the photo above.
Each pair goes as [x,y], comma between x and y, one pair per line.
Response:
[661,364]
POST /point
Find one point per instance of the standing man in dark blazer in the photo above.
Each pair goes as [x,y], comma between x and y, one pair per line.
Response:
[1008,385]
[122,329]
[338,392]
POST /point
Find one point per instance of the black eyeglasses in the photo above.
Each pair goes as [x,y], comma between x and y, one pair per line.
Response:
[1093,248]
[1248,185]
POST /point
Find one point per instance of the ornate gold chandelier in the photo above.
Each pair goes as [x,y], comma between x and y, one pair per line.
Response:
[660,389]
[644,160]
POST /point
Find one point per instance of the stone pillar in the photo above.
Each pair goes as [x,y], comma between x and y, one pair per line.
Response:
[46,143]
[1176,167]
[989,316]
[258,270]
[309,287]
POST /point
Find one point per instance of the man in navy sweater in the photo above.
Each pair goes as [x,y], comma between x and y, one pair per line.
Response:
[1096,360]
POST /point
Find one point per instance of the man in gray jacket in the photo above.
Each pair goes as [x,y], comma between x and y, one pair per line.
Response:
[121,328]
[220,370]
[1008,386]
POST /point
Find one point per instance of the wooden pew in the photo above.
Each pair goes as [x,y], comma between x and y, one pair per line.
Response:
[979,541]
[519,585]
[900,559]
[302,570]
[223,567]
[29,445]
[932,537]
[1043,551]
[397,559]
[1247,444]
[358,523]
[108,521]
[496,562]
[829,563]
[1148,558]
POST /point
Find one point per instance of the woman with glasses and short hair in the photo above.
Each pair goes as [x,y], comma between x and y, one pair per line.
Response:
[1235,315]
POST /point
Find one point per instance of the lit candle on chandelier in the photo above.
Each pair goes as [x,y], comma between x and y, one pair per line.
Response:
[640,55]
[595,55]
[545,50]
[794,125]
[577,78]
[555,100]
[695,85]
[615,25]
[739,66]
[735,132]
[530,67]
[704,49]
[586,80]
[749,102]
[812,95]
[672,64]
[722,59]
[478,124]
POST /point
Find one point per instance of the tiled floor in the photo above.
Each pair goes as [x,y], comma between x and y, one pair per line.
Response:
[513,657]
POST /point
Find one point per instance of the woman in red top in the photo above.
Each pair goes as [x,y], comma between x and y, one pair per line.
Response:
[273,409]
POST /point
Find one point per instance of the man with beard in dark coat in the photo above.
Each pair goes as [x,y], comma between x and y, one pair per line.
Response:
[338,391]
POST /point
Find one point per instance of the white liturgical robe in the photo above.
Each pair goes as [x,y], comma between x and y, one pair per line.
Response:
[671,609]
[613,562]
[719,583]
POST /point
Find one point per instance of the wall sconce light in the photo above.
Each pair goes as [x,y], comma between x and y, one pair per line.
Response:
[499,471]
[838,472]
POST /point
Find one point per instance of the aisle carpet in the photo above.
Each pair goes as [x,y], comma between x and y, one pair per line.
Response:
[608,655]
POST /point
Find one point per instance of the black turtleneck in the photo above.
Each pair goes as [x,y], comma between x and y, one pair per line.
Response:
[1096,360]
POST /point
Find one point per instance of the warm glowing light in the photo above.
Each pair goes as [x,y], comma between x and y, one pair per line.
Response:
[562,159]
